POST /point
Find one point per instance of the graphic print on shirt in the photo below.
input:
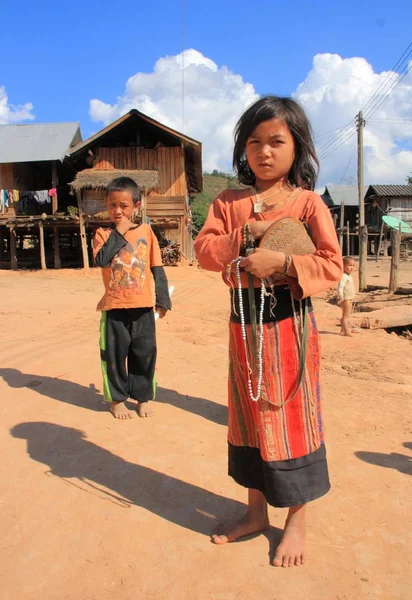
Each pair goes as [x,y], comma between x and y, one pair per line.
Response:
[128,270]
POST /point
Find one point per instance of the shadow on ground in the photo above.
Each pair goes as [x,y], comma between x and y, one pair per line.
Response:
[90,397]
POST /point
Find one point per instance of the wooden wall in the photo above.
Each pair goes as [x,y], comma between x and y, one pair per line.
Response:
[169,162]
[6,176]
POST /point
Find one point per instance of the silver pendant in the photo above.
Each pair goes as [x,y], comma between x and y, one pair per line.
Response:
[257,208]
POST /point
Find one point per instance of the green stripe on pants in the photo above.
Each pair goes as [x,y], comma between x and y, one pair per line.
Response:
[102,343]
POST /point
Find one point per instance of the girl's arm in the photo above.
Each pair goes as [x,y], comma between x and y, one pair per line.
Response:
[217,243]
[313,273]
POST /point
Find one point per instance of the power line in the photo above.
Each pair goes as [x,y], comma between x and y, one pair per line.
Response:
[340,135]
[182,31]
[339,142]
[392,73]
[387,90]
[394,136]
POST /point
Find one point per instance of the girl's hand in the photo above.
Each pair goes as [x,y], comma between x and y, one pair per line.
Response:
[263,263]
[258,228]
[161,312]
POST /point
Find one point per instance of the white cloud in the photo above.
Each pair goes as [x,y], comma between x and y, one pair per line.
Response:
[13,114]
[214,98]
[333,93]
[334,90]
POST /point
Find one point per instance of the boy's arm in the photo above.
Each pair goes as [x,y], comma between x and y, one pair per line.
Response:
[161,288]
[159,275]
[105,248]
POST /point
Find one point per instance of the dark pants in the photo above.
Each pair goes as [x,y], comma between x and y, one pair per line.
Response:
[128,354]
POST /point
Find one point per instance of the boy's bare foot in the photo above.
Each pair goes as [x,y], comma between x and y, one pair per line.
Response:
[248,524]
[291,550]
[346,334]
[120,411]
[145,410]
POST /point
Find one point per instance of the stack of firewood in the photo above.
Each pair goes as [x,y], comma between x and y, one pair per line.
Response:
[171,254]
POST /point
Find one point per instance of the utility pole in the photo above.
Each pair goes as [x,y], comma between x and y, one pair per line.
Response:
[363,230]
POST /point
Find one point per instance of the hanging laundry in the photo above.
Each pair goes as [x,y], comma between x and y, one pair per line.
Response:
[42,196]
[52,192]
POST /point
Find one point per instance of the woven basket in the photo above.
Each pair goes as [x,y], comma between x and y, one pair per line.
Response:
[290,236]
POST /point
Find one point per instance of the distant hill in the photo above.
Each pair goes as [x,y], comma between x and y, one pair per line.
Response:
[213,183]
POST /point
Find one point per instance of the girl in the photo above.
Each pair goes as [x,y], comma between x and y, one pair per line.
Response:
[276,446]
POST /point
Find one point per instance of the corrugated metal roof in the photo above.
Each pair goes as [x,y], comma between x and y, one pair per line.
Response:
[344,193]
[390,190]
[37,141]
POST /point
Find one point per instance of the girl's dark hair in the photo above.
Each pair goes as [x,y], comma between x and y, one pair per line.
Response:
[124,184]
[305,167]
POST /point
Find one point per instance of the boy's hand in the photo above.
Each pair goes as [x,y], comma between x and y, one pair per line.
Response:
[123,225]
[161,312]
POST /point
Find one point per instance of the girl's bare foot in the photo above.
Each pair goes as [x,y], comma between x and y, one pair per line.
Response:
[120,411]
[291,550]
[248,524]
[145,410]
[255,520]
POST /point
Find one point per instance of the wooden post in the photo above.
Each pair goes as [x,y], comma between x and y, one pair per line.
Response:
[41,244]
[347,238]
[363,256]
[1,242]
[56,248]
[83,238]
[341,224]
[335,220]
[378,250]
[55,204]
[396,237]
[13,255]
[55,200]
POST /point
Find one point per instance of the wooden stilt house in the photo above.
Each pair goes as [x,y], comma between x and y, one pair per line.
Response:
[165,163]
[35,227]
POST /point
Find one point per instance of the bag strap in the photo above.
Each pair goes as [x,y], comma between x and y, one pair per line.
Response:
[303,351]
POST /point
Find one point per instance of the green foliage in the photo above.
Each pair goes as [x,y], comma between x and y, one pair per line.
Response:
[213,184]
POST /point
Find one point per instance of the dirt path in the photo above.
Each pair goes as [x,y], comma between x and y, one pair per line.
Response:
[97,509]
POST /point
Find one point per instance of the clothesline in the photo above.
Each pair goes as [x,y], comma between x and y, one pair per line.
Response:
[8,197]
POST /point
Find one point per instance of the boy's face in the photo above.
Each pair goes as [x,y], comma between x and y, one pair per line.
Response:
[349,266]
[120,204]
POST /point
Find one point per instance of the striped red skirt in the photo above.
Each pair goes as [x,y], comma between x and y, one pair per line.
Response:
[276,445]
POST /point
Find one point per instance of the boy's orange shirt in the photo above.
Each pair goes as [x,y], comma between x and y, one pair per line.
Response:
[127,280]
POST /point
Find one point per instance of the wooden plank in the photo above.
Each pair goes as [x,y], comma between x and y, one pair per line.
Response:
[41,246]
[13,255]
[385,318]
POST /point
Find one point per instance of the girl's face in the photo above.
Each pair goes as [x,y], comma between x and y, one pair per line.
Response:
[270,151]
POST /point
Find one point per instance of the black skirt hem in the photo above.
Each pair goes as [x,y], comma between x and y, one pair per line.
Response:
[283,483]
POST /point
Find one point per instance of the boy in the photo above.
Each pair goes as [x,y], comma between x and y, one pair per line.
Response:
[346,294]
[127,328]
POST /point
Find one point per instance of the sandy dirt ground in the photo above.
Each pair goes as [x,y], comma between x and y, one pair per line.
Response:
[93,508]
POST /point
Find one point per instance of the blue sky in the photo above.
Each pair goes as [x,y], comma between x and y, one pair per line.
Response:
[60,56]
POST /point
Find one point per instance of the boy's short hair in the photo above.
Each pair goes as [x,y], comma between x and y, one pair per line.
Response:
[347,259]
[124,184]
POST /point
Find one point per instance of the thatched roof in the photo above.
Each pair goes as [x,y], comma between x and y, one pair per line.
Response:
[99,179]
